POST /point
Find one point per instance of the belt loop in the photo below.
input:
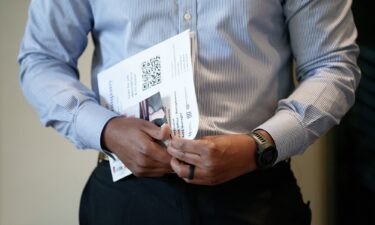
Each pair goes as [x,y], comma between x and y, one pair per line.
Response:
[102,157]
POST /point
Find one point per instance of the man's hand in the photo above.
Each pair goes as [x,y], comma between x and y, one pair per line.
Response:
[217,159]
[134,141]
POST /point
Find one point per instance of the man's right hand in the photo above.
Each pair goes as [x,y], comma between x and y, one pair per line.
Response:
[134,143]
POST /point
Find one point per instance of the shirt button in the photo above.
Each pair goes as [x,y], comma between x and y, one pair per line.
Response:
[187,16]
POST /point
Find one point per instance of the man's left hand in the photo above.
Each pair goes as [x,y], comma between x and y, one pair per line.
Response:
[217,159]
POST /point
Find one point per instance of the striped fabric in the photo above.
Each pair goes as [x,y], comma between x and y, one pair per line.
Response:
[243,55]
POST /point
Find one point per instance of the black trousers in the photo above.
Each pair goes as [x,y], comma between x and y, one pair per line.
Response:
[269,197]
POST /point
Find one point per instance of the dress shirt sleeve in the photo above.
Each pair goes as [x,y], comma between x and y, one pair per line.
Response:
[55,37]
[322,36]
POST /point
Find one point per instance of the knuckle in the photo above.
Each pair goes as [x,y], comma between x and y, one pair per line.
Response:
[179,144]
[143,147]
[211,166]
[210,148]
[208,164]
[181,155]
[148,148]
[142,162]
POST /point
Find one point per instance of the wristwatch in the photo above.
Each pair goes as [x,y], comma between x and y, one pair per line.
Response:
[266,152]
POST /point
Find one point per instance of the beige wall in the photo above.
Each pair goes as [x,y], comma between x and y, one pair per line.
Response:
[42,175]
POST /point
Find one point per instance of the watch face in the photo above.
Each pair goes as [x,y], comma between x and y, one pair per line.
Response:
[268,157]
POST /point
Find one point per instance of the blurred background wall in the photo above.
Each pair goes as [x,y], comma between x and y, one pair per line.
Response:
[42,175]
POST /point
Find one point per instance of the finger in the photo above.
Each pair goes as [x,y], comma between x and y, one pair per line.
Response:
[138,159]
[145,166]
[146,162]
[158,133]
[147,146]
[222,177]
[165,132]
[199,147]
[200,182]
[182,170]
[154,172]
[155,151]
[187,157]
[178,166]
[201,176]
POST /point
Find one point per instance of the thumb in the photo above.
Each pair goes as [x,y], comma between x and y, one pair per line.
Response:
[159,133]
[165,132]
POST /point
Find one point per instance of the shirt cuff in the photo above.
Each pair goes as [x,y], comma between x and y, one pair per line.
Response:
[90,122]
[288,133]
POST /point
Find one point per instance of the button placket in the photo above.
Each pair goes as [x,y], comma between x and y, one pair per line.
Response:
[187,14]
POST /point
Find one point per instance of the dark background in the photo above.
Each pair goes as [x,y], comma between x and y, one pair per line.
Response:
[355,151]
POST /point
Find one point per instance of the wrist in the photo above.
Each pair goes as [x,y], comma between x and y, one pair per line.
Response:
[250,147]
[105,135]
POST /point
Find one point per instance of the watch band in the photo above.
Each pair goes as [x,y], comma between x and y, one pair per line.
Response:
[259,138]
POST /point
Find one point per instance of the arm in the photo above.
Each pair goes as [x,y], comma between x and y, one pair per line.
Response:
[55,37]
[322,36]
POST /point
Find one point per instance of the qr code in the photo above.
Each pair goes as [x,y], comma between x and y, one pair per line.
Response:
[151,74]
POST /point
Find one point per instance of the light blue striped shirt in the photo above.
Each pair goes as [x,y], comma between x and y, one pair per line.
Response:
[243,62]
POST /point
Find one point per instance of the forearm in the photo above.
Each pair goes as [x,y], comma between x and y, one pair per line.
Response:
[62,102]
[55,36]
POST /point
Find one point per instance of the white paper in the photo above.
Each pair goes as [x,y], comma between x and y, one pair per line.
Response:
[118,169]
[165,68]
